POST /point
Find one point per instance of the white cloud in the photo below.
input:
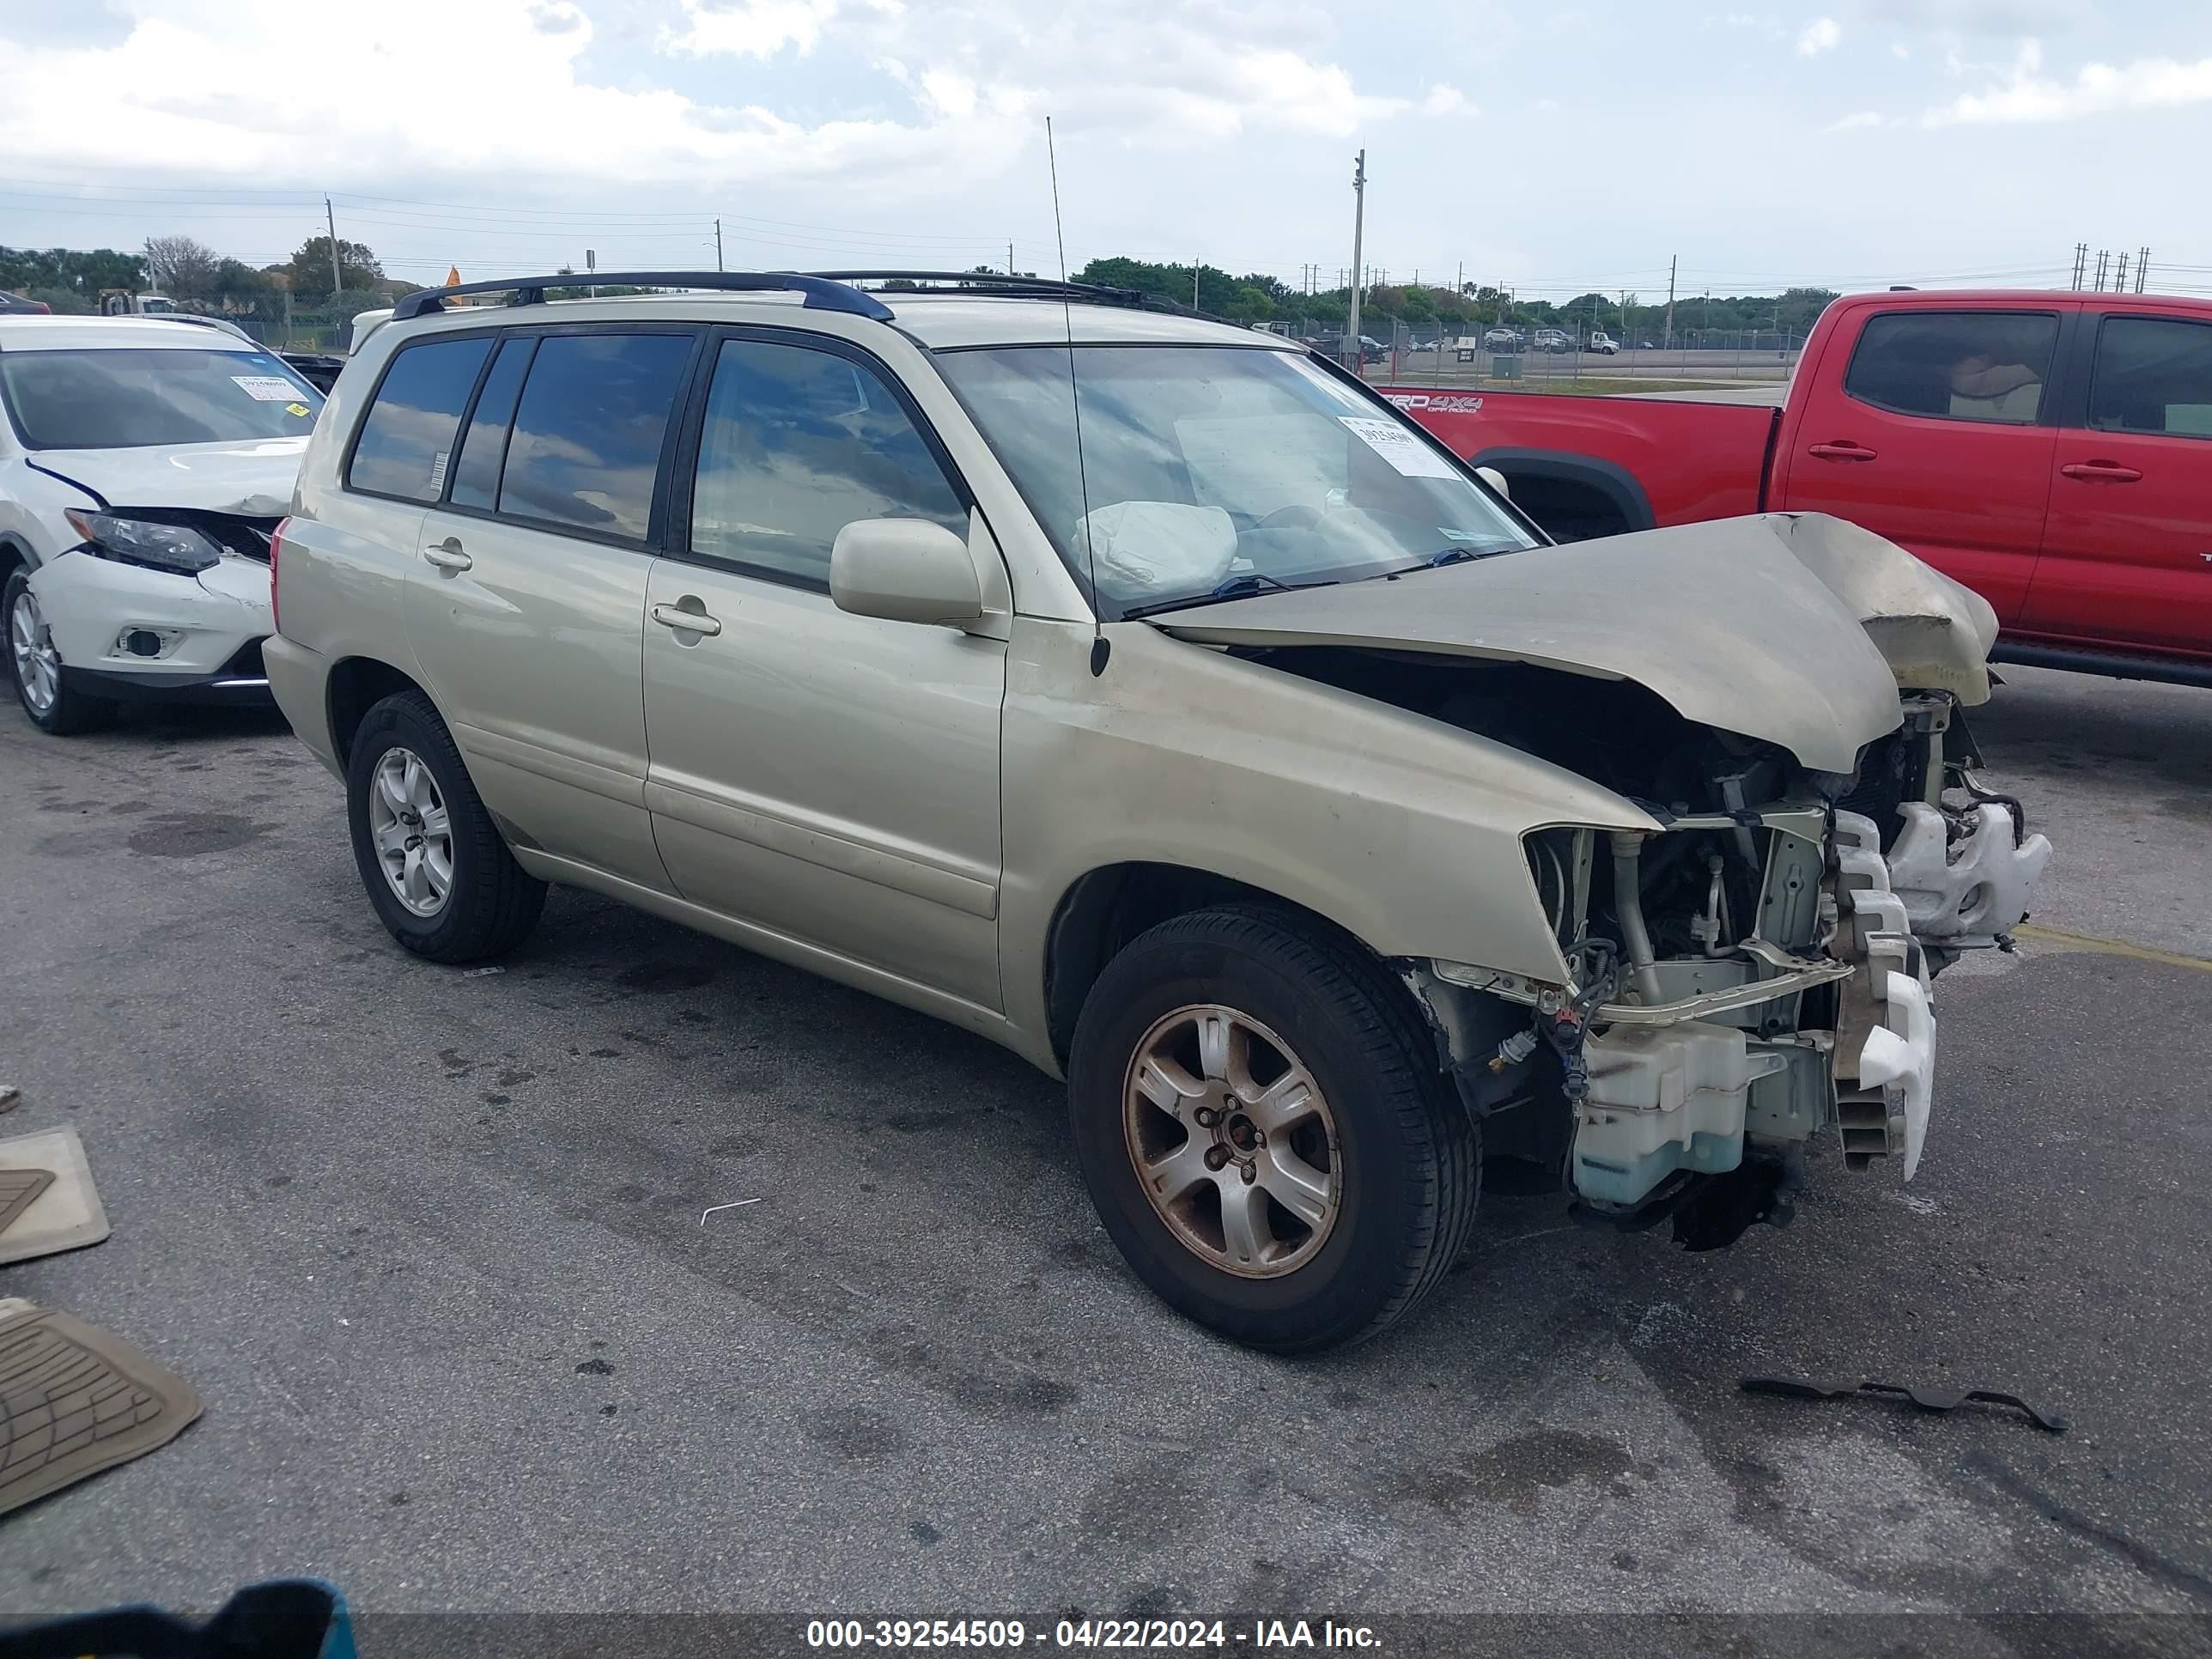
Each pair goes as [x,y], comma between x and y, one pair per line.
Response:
[1898,50]
[758,28]
[1818,36]
[2026,94]
[1863,118]
[477,90]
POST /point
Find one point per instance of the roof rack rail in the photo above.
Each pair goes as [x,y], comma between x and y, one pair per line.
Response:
[1002,283]
[823,294]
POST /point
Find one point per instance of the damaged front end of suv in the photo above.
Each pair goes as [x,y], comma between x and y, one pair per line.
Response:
[1746,968]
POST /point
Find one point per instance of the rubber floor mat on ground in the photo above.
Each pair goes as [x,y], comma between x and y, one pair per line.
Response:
[66,1213]
[74,1401]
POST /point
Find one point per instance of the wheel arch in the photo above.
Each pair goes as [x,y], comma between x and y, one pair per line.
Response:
[14,554]
[1106,906]
[355,685]
[1591,489]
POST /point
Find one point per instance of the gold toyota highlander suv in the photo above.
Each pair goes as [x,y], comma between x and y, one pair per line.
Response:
[1150,697]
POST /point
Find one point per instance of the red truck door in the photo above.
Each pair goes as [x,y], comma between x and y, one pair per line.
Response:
[1936,428]
[2127,557]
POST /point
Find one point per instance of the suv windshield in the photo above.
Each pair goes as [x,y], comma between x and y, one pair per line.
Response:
[135,396]
[1217,469]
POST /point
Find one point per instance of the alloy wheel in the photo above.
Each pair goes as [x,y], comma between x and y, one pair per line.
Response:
[31,648]
[411,831]
[1232,1142]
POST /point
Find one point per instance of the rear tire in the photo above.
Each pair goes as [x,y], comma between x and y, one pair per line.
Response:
[34,669]
[436,868]
[1400,1158]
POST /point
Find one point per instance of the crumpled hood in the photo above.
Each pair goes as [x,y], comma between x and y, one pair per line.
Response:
[252,478]
[1757,625]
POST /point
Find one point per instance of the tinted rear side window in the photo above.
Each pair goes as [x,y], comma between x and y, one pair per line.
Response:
[483,447]
[406,441]
[2153,375]
[586,448]
[1955,365]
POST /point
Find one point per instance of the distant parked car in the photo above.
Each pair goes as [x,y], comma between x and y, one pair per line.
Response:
[1554,340]
[1503,339]
[143,467]
[15,305]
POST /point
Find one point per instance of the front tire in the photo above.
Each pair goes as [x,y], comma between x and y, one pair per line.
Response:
[436,868]
[34,667]
[1265,1133]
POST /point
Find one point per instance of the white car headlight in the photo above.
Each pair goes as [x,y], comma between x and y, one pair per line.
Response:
[143,541]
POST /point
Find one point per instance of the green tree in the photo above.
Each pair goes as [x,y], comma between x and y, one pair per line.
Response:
[310,267]
[1248,303]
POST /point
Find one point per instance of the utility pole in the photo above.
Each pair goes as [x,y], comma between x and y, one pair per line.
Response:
[2142,268]
[1668,338]
[1194,283]
[718,242]
[2120,281]
[331,219]
[2081,264]
[1010,259]
[1358,229]
[2103,255]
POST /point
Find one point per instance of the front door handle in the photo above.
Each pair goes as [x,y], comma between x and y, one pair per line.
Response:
[2099,472]
[685,620]
[447,555]
[1841,450]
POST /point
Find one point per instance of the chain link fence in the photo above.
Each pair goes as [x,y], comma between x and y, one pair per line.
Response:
[1394,351]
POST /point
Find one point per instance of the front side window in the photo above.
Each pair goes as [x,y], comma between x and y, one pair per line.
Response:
[798,444]
[1208,469]
[2153,375]
[1955,365]
[140,397]
[406,440]
[586,446]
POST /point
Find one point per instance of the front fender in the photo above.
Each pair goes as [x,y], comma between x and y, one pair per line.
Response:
[1405,832]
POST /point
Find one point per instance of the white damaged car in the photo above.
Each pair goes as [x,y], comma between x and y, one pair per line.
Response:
[143,467]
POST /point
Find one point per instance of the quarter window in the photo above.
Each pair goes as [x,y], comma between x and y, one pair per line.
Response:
[798,444]
[406,440]
[1956,365]
[2153,375]
[585,448]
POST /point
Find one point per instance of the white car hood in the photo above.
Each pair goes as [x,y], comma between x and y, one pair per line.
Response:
[253,478]
[1780,628]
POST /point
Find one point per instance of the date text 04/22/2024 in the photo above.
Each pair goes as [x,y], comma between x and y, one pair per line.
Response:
[1010,1635]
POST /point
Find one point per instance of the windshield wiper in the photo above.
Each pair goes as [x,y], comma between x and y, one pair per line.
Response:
[1455,554]
[1236,588]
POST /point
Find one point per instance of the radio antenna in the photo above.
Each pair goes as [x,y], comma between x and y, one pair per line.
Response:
[1100,647]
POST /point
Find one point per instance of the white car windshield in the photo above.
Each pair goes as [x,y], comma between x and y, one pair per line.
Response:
[129,397]
[1213,471]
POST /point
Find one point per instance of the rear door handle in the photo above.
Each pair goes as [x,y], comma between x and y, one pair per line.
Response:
[447,555]
[1841,451]
[686,620]
[2099,472]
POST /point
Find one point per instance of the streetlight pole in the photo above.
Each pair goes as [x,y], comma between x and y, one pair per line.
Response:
[331,220]
[1358,228]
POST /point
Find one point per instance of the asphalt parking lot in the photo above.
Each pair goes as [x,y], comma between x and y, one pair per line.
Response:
[429,1243]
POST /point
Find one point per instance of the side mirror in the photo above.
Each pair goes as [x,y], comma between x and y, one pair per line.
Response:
[904,570]
[1495,479]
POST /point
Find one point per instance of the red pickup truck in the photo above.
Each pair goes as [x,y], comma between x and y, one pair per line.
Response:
[2052,451]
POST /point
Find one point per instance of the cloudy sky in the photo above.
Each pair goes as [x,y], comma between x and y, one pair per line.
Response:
[1852,143]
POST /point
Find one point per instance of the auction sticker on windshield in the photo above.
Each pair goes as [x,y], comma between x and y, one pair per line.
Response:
[266,388]
[1405,452]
